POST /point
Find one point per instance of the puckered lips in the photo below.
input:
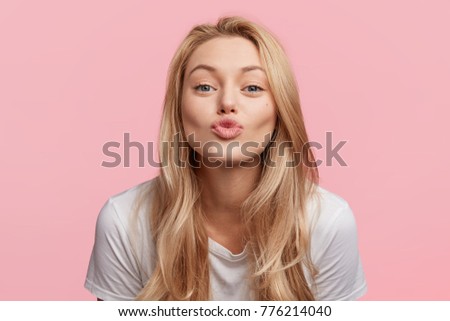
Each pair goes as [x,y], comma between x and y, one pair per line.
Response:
[226,128]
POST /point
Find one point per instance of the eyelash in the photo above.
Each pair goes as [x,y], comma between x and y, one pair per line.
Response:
[258,87]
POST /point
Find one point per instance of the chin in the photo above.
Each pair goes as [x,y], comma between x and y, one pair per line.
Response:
[231,162]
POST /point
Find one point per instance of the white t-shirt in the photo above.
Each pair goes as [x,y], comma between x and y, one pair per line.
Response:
[118,271]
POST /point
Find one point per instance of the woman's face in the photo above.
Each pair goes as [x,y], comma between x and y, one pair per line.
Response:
[228,111]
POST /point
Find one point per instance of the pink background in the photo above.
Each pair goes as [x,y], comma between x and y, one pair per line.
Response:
[77,74]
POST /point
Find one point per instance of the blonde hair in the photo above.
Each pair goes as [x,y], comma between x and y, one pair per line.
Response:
[274,214]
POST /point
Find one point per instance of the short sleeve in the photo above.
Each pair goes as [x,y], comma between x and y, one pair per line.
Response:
[341,276]
[112,272]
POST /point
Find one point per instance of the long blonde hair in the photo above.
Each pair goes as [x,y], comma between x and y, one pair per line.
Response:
[274,214]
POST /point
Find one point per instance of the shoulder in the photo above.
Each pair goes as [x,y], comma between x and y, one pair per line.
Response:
[124,218]
[328,211]
[127,200]
[118,210]
[331,201]
[332,221]
[122,255]
[334,247]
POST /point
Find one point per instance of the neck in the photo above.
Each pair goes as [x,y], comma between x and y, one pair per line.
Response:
[225,189]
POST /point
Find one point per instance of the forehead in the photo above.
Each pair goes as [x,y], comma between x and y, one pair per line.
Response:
[229,52]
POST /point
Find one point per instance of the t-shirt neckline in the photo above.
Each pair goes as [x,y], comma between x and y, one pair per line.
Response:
[222,251]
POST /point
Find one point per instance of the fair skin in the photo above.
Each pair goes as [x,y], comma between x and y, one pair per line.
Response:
[225,79]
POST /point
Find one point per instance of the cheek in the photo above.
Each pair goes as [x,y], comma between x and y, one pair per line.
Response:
[189,114]
[194,118]
[189,120]
[266,117]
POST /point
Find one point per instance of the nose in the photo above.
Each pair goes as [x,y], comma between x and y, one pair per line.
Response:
[227,103]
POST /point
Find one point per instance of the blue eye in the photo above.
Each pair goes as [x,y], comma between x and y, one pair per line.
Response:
[202,87]
[254,88]
[207,88]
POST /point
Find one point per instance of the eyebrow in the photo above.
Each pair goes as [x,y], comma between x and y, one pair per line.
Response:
[212,69]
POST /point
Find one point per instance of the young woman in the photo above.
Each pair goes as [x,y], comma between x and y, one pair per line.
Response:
[236,212]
